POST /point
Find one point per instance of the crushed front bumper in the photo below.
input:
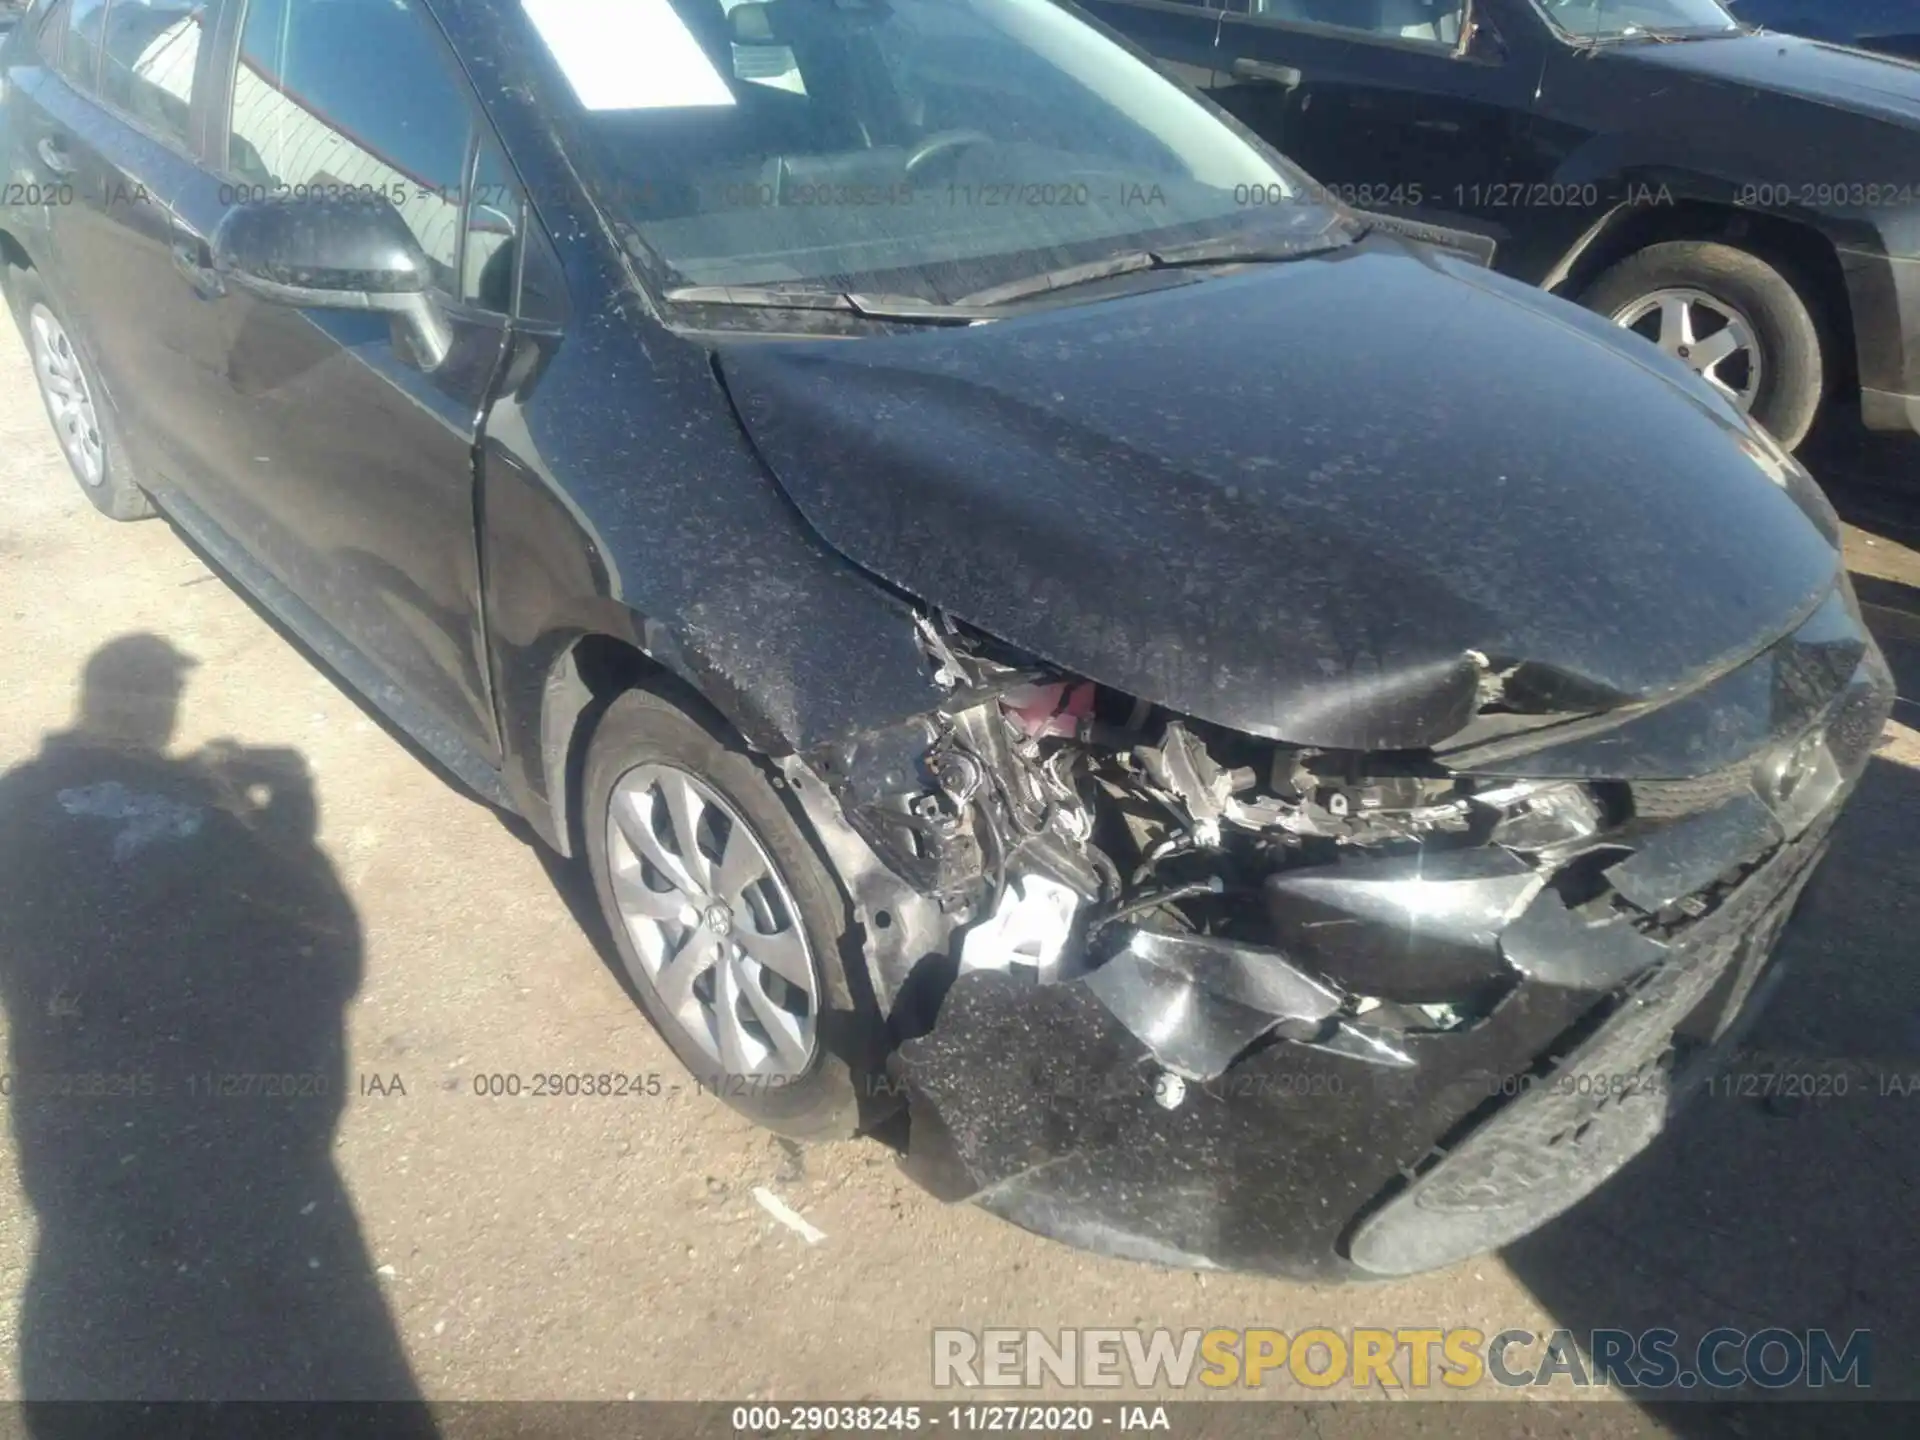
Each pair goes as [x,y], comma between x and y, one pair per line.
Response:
[1319,1154]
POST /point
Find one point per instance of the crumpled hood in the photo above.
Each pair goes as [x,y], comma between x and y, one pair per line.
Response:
[1305,499]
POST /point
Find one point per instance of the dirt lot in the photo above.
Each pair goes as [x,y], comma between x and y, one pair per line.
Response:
[372,918]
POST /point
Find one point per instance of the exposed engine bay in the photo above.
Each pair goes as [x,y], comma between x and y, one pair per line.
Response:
[1061,827]
[1082,911]
[1450,778]
[1213,888]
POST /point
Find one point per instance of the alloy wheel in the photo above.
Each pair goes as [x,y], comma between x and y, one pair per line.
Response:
[1705,333]
[69,399]
[716,927]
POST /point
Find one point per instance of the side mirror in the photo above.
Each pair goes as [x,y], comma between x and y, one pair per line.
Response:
[325,253]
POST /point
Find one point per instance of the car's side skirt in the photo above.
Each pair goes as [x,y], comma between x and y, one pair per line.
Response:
[338,653]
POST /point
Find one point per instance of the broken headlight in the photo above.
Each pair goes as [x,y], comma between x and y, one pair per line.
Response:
[1536,817]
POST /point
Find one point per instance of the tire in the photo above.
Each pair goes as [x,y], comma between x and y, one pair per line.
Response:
[644,733]
[1793,369]
[110,486]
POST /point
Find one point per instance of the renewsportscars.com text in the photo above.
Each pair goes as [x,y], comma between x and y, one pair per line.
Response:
[1401,1358]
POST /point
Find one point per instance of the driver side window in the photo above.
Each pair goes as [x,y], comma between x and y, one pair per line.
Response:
[1438,22]
[354,96]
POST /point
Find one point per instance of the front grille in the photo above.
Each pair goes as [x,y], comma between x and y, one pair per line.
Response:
[1673,799]
[1599,1106]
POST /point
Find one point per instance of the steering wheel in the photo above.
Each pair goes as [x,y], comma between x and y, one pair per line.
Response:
[942,142]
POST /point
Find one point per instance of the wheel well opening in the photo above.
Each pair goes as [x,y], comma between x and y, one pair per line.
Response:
[11,253]
[595,672]
[606,668]
[1803,254]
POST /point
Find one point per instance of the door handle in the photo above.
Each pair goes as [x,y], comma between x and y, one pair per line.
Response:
[1445,127]
[194,261]
[1284,76]
[55,157]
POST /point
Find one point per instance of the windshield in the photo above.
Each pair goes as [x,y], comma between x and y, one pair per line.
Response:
[921,147]
[1623,19]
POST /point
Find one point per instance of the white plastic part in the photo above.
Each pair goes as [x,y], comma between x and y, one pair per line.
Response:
[627,54]
[787,1215]
[1030,926]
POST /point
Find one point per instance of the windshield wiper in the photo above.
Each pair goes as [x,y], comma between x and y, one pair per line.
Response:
[984,305]
[1127,262]
[1663,35]
[872,307]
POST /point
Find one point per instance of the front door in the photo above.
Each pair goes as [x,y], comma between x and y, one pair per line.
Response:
[350,471]
[1402,106]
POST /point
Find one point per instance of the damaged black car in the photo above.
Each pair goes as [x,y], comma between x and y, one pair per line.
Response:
[1241,737]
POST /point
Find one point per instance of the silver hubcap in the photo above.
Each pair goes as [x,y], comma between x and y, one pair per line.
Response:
[718,934]
[69,401]
[1705,333]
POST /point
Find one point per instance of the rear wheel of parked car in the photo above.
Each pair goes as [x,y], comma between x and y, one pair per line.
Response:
[730,927]
[75,401]
[1735,319]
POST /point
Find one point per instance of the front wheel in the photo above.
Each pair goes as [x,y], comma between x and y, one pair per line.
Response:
[1731,317]
[77,406]
[729,926]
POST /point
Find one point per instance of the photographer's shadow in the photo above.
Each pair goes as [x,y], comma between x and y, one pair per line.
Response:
[175,957]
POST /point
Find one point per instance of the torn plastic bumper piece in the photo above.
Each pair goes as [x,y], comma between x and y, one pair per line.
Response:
[1050,1105]
[1532,1158]
[1410,927]
[1197,1001]
[1686,857]
[1550,945]
[1040,1104]
[1048,1108]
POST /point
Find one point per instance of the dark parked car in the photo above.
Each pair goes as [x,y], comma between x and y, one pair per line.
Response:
[1271,745]
[1891,27]
[1751,203]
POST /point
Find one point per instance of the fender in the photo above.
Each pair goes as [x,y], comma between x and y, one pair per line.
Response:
[1637,190]
[566,631]
[1664,203]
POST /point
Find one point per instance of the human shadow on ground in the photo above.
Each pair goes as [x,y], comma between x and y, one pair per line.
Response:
[176,955]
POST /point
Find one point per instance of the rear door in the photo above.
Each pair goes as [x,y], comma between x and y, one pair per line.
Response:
[109,132]
[1402,106]
[348,468]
